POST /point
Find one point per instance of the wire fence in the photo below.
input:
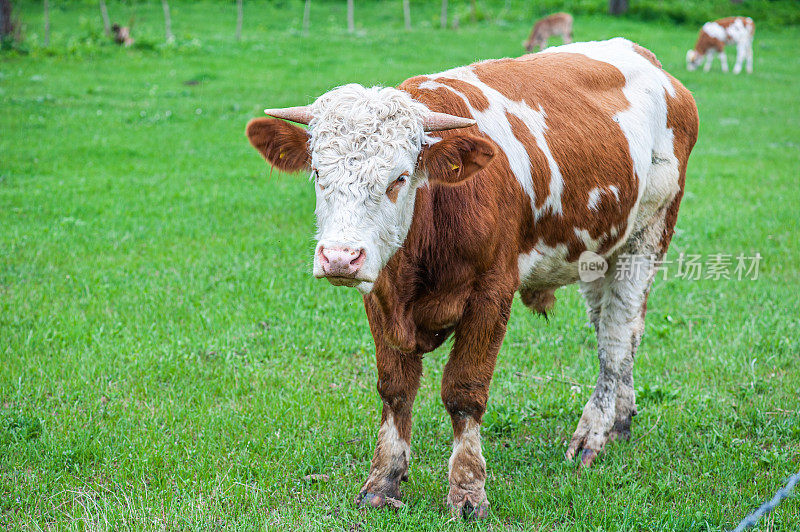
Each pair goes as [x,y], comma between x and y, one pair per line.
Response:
[769,505]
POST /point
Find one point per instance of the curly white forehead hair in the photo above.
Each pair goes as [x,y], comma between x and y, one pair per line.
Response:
[363,134]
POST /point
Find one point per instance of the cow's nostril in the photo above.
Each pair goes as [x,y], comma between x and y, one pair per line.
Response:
[359,259]
[322,256]
[341,262]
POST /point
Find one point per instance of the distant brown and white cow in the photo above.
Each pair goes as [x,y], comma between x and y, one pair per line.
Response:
[556,24]
[441,198]
[713,38]
[122,34]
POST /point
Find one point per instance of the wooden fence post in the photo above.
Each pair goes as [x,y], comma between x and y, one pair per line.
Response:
[46,23]
[239,18]
[351,24]
[306,17]
[167,22]
[106,21]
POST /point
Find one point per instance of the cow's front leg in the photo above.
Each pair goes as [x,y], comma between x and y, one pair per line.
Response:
[607,415]
[398,381]
[724,60]
[709,60]
[465,390]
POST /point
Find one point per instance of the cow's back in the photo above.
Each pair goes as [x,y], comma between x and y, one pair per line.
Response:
[580,127]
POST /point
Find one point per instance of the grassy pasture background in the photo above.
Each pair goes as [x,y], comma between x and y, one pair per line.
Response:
[168,362]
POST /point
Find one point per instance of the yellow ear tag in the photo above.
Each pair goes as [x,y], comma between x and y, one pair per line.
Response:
[280,156]
[454,167]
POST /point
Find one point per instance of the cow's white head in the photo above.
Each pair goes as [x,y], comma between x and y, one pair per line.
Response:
[368,153]
[693,59]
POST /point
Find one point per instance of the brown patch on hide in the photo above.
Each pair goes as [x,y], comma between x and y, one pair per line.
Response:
[647,54]
[706,42]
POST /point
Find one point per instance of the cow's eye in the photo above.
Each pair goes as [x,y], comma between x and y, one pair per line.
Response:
[316,178]
[400,181]
[395,186]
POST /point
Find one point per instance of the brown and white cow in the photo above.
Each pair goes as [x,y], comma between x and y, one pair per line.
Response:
[713,38]
[441,198]
[556,24]
[122,34]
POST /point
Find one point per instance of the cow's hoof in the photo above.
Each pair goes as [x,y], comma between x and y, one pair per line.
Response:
[577,445]
[587,457]
[469,506]
[377,500]
[371,500]
[590,437]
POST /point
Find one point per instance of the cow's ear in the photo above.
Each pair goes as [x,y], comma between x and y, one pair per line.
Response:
[283,145]
[454,159]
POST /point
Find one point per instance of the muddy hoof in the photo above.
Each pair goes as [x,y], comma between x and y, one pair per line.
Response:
[475,513]
[371,500]
[468,509]
[377,500]
[587,457]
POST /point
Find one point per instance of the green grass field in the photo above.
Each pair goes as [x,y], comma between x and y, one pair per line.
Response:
[167,361]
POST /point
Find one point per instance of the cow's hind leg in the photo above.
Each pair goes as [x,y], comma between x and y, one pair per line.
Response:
[741,53]
[749,58]
[617,306]
[625,406]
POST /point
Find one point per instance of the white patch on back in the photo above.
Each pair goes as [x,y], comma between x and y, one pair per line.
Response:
[644,122]
[715,31]
[494,122]
[738,31]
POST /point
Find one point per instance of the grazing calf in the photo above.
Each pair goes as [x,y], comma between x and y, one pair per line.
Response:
[713,38]
[441,198]
[555,24]
[122,35]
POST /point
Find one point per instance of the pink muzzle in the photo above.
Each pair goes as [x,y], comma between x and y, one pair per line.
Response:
[341,264]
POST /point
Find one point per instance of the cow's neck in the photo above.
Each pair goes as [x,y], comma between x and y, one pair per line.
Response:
[425,282]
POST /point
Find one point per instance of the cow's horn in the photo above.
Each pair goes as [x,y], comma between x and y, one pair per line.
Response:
[441,121]
[301,115]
